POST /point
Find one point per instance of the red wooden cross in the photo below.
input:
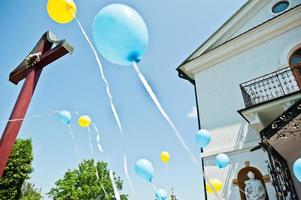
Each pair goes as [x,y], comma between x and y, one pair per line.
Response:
[30,70]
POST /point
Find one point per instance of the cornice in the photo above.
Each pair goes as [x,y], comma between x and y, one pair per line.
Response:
[258,35]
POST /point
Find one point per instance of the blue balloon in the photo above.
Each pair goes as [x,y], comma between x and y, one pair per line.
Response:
[297,169]
[65,116]
[222,160]
[203,138]
[120,34]
[161,195]
[144,169]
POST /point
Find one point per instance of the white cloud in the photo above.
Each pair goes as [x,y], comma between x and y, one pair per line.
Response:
[193,113]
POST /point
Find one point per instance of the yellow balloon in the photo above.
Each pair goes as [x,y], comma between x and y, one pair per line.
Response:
[61,10]
[165,157]
[84,121]
[217,185]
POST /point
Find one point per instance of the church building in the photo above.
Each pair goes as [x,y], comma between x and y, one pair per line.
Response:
[247,78]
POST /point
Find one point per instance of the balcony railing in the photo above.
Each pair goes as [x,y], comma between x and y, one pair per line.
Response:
[272,86]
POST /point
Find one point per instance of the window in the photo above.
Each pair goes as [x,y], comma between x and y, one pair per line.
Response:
[280,7]
[295,57]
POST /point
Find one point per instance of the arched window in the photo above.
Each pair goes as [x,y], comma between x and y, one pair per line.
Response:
[295,57]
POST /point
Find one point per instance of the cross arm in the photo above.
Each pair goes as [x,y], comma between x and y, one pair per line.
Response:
[41,56]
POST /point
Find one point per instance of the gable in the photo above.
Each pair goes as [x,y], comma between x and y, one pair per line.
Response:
[252,14]
[260,15]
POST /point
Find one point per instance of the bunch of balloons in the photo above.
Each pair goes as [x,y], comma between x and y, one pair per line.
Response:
[121,36]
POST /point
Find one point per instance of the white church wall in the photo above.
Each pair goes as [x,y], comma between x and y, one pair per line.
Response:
[218,91]
[219,98]
[230,138]
[263,15]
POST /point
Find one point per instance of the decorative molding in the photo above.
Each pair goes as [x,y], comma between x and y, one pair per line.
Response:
[291,98]
[288,51]
[258,35]
[242,16]
[244,19]
[229,150]
[284,124]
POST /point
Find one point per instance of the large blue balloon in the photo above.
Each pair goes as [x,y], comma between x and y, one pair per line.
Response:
[65,116]
[161,195]
[297,169]
[144,169]
[203,138]
[222,160]
[120,34]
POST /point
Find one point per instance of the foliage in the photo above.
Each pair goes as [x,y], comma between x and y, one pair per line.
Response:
[17,170]
[30,192]
[89,182]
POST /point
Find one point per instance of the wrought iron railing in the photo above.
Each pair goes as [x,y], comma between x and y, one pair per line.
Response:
[271,86]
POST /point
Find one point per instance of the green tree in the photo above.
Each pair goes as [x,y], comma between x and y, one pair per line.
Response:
[17,170]
[89,182]
[30,192]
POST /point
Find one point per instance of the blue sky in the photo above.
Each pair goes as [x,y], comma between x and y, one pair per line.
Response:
[176,28]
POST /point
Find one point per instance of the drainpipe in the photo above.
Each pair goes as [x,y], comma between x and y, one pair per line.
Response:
[182,75]
[199,126]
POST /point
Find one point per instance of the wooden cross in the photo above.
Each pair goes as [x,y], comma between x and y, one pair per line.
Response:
[30,69]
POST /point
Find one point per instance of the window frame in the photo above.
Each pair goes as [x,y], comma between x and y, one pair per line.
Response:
[290,57]
[278,3]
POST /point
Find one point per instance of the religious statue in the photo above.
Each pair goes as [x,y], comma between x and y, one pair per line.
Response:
[254,188]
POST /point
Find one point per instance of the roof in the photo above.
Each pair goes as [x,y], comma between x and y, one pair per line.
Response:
[209,46]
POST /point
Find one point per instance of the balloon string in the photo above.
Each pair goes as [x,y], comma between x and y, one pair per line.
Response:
[107,90]
[74,143]
[97,137]
[103,189]
[164,114]
[113,108]
[124,159]
[117,196]
[115,190]
[96,131]
[162,111]
[246,193]
[29,118]
[154,187]
[127,173]
[166,174]
[101,185]
[125,166]
[90,141]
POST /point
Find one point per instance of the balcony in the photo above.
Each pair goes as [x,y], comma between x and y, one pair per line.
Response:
[277,84]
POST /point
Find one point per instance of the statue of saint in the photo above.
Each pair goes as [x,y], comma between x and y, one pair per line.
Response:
[254,188]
